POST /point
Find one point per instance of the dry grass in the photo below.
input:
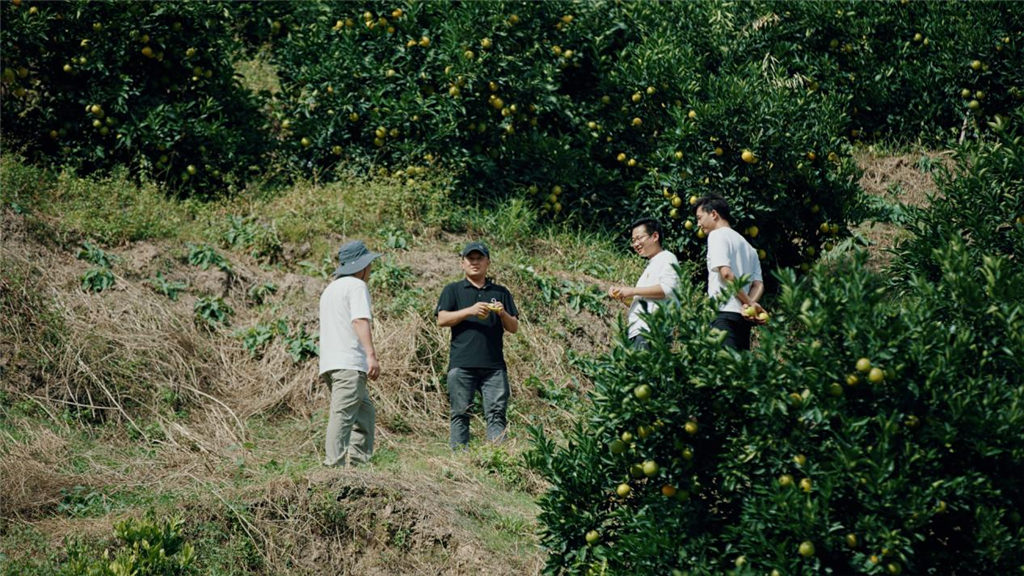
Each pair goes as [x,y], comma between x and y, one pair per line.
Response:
[127,383]
[898,179]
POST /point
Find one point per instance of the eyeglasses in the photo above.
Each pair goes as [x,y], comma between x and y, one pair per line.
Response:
[638,239]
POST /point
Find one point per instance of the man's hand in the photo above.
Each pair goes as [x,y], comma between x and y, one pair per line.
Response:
[480,310]
[496,307]
[755,313]
[373,371]
[621,293]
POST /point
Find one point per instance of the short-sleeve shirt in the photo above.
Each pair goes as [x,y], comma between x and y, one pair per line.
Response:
[476,343]
[343,301]
[660,271]
[726,247]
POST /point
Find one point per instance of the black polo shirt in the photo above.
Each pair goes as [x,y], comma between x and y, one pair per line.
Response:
[476,343]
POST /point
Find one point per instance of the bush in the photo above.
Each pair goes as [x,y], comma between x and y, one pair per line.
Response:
[150,547]
[147,86]
[980,204]
[871,431]
[532,99]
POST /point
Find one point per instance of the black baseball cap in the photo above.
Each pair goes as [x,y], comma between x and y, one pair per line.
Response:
[476,247]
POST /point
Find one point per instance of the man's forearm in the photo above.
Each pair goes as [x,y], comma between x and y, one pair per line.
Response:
[509,322]
[756,291]
[364,335]
[446,319]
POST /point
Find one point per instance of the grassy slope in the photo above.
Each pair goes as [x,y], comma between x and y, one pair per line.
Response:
[118,402]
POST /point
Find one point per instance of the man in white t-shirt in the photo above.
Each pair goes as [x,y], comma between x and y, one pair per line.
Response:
[656,285]
[730,256]
[348,358]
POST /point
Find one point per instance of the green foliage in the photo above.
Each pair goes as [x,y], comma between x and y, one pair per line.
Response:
[579,295]
[302,345]
[145,86]
[166,287]
[248,233]
[870,426]
[895,462]
[395,238]
[149,547]
[321,269]
[205,256]
[258,293]
[256,338]
[212,312]
[982,206]
[94,255]
[391,277]
[97,279]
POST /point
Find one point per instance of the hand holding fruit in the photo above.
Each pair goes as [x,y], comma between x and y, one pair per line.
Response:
[621,293]
[481,309]
[756,314]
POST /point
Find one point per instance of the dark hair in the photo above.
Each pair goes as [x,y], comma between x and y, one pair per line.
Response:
[714,203]
[651,226]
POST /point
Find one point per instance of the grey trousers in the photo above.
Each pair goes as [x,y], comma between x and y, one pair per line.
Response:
[350,426]
[462,386]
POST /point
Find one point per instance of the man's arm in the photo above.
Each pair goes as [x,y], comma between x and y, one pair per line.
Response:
[363,333]
[446,319]
[508,321]
[756,291]
[655,292]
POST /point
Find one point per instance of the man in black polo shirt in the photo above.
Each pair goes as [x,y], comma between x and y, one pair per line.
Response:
[479,312]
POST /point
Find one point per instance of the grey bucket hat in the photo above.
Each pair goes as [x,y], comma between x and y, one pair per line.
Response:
[353,257]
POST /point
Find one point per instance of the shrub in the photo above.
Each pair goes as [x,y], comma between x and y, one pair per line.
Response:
[904,455]
[212,312]
[981,204]
[205,257]
[595,125]
[148,547]
[146,86]
[166,287]
[261,240]
[97,279]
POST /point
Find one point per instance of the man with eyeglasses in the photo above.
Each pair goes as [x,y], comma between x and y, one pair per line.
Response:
[656,285]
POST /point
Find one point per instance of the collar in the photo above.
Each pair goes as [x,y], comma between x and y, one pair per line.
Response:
[467,284]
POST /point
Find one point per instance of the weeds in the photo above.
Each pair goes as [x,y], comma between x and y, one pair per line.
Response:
[301,345]
[258,293]
[395,238]
[94,255]
[248,233]
[256,338]
[97,279]
[212,312]
[166,287]
[206,257]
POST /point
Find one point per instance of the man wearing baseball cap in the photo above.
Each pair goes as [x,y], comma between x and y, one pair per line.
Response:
[479,312]
[348,358]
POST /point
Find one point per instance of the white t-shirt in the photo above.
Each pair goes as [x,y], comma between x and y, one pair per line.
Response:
[726,247]
[660,271]
[344,300]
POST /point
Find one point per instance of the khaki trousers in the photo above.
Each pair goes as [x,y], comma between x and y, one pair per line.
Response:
[350,426]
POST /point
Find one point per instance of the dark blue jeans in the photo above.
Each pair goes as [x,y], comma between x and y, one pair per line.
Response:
[463,384]
[737,330]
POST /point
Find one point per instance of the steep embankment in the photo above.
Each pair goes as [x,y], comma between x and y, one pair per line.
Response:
[127,399]
[136,397]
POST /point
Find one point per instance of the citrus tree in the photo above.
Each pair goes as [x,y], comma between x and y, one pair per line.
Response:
[144,85]
[867,433]
[599,112]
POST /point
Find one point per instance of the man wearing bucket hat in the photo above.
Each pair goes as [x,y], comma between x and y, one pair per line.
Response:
[348,357]
[479,312]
